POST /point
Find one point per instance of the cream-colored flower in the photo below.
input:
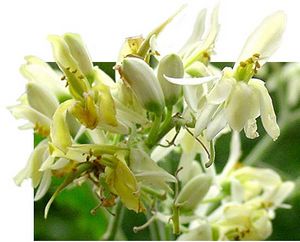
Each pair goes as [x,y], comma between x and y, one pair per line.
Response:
[238,99]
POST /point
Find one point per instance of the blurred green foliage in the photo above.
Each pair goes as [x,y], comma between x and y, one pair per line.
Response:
[70,218]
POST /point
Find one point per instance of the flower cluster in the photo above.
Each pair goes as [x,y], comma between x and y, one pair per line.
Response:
[113,132]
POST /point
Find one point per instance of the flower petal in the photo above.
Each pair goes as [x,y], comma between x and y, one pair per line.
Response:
[216,125]
[201,232]
[268,115]
[242,100]
[204,117]
[79,52]
[60,134]
[197,33]
[37,71]
[265,38]
[33,165]
[191,81]
[147,171]
[221,91]
[44,186]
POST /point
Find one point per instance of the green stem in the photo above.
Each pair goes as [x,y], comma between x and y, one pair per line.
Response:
[266,143]
[154,131]
[115,223]
[167,120]
[175,219]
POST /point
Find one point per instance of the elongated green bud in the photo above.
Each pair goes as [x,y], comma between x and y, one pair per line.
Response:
[141,78]
[171,66]
[193,192]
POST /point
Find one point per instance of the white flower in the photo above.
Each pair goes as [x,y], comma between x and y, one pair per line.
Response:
[243,222]
[242,97]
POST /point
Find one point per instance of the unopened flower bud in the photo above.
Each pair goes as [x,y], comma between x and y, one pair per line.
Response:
[193,192]
[140,77]
[171,66]
[41,100]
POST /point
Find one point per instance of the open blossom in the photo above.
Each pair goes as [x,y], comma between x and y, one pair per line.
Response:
[238,99]
[145,139]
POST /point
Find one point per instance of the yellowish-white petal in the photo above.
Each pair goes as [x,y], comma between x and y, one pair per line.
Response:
[216,125]
[44,186]
[37,71]
[191,81]
[33,165]
[197,33]
[204,118]
[79,52]
[60,134]
[267,112]
[238,110]
[265,39]
[221,91]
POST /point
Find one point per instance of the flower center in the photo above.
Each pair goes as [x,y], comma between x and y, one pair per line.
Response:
[248,68]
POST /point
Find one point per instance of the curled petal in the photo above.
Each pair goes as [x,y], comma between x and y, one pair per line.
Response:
[268,116]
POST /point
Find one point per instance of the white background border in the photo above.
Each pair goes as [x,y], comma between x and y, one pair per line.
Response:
[103,25]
